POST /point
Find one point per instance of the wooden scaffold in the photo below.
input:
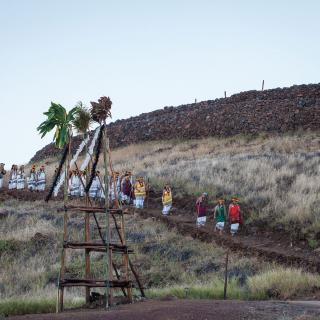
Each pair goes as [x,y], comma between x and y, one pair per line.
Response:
[123,277]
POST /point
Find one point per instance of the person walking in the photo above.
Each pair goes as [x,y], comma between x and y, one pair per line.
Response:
[41,179]
[140,192]
[220,215]
[126,189]
[75,184]
[95,188]
[235,218]
[166,200]
[32,179]
[13,177]
[2,174]
[201,206]
[21,178]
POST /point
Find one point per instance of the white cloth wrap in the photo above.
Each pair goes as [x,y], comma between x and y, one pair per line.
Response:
[13,181]
[139,202]
[220,225]
[201,221]
[20,181]
[1,183]
[166,209]
[31,181]
[94,191]
[41,182]
[234,228]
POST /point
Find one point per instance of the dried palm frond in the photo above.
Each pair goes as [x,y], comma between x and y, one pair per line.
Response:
[83,120]
[101,110]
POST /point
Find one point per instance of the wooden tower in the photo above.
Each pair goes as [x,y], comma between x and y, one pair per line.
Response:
[101,217]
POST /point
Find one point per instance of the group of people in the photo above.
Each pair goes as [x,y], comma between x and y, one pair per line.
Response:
[36,181]
[221,215]
[121,187]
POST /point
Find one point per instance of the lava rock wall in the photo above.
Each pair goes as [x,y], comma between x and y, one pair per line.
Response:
[251,112]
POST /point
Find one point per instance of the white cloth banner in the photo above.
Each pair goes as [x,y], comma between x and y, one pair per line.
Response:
[75,157]
[90,150]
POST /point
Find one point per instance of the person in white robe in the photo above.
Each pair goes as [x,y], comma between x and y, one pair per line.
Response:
[13,177]
[75,184]
[2,174]
[32,179]
[21,178]
[94,190]
[41,179]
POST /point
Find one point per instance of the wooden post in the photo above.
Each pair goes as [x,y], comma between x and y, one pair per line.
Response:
[125,256]
[225,94]
[87,231]
[87,255]
[106,194]
[262,85]
[226,277]
[65,231]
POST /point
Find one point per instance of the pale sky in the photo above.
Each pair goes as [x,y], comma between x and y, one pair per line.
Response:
[145,55]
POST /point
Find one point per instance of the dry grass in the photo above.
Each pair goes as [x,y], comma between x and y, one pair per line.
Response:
[277,176]
[282,283]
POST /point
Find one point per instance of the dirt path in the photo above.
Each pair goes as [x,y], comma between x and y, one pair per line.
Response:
[190,310]
[270,246]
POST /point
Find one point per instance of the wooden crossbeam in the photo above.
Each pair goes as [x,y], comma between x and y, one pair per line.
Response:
[97,246]
[95,283]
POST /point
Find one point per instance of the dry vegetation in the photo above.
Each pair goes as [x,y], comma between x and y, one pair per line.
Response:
[276,176]
[170,264]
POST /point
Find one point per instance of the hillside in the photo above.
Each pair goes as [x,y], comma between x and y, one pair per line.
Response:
[251,112]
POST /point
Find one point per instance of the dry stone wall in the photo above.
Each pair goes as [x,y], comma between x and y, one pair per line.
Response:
[276,110]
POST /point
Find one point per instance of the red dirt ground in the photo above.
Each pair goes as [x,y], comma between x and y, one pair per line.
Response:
[190,310]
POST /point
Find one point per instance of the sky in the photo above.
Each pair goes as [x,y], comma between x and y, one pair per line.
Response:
[145,55]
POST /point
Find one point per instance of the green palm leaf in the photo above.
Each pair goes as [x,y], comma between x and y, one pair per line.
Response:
[59,119]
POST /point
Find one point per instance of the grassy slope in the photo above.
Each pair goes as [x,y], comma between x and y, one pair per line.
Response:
[170,264]
[277,176]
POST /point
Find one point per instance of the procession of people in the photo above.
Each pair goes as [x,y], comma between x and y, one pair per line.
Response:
[123,190]
[18,180]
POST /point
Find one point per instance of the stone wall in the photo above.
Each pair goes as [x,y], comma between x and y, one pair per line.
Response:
[276,110]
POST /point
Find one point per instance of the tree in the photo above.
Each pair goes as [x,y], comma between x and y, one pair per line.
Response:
[59,119]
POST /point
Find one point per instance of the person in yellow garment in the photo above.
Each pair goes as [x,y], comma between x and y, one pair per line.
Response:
[140,192]
[166,200]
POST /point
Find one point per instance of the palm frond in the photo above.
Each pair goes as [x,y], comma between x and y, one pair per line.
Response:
[59,119]
[101,110]
[82,120]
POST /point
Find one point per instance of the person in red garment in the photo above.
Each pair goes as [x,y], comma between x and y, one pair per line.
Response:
[201,206]
[235,217]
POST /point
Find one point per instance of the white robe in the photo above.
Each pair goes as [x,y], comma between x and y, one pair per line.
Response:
[32,181]
[94,191]
[41,181]
[13,180]
[75,184]
[20,180]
